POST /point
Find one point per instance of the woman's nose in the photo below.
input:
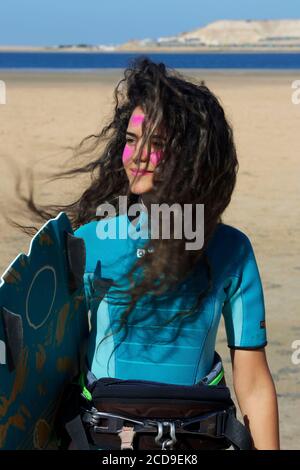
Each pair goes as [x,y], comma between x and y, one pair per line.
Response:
[143,155]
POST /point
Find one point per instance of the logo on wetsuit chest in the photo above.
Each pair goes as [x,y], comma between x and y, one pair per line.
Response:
[140,252]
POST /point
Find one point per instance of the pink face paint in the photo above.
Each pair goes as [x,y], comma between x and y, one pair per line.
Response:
[155,157]
[127,153]
[137,119]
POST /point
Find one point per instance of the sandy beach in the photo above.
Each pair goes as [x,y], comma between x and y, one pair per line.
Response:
[46,112]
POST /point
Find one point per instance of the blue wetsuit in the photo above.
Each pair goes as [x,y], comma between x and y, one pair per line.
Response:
[148,352]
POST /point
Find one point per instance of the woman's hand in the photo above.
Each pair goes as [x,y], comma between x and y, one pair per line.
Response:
[256,395]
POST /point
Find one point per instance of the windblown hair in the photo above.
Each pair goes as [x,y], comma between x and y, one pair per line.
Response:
[199,166]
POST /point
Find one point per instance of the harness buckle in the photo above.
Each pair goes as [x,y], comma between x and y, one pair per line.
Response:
[103,422]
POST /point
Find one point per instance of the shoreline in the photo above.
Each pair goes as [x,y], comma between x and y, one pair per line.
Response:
[11,73]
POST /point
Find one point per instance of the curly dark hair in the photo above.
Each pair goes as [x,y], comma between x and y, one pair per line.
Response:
[199,166]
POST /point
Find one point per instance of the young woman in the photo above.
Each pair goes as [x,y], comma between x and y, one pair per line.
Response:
[156,305]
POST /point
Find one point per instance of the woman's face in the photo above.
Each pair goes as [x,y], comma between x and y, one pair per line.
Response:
[140,180]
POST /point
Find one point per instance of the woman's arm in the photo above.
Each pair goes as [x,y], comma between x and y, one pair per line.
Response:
[256,395]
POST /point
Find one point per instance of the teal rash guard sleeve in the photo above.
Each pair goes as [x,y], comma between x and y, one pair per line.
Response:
[244,306]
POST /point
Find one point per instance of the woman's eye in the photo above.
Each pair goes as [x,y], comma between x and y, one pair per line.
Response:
[157,145]
[129,140]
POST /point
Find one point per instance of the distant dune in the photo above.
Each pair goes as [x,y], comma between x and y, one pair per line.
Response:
[269,32]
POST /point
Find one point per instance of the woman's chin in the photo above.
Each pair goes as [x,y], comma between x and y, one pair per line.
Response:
[140,187]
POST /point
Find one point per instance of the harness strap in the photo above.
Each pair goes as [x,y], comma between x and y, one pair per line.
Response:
[237,434]
[222,424]
[77,433]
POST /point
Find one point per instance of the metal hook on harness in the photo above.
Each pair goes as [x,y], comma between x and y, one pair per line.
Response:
[167,443]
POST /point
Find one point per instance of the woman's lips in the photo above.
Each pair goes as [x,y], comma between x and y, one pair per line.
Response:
[139,172]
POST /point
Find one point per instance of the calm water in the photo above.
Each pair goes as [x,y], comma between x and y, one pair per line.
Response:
[98,60]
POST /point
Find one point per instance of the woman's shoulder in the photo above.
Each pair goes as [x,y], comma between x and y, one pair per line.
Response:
[92,230]
[230,245]
[86,230]
[232,235]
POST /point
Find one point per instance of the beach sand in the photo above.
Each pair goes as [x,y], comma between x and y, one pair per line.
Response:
[47,111]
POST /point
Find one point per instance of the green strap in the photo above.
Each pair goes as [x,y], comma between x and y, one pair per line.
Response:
[85,391]
[217,379]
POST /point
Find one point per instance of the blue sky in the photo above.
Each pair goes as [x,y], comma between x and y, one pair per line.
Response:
[48,22]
